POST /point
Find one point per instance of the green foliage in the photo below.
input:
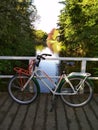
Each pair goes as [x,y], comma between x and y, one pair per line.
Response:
[40,38]
[17,35]
[53,41]
[78,27]
[78,24]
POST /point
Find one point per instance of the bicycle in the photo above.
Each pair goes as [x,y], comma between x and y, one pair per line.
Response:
[75,89]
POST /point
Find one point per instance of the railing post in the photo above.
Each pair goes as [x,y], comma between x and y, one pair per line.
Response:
[83,66]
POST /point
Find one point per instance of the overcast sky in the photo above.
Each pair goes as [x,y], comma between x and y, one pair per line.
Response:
[48,11]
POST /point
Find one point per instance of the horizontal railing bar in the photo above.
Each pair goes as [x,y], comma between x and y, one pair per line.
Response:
[15,58]
[53,77]
[82,59]
[6,76]
[74,59]
[49,58]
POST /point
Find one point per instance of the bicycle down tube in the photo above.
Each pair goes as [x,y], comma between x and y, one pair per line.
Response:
[36,75]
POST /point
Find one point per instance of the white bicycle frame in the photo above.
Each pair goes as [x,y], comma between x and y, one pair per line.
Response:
[36,74]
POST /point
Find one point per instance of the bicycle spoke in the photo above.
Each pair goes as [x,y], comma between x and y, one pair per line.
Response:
[22,96]
[82,96]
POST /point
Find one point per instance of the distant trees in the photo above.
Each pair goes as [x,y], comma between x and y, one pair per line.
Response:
[53,42]
[78,26]
[41,37]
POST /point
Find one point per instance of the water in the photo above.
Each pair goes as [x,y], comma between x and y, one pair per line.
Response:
[50,67]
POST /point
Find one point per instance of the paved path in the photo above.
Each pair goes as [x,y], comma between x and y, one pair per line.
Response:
[37,116]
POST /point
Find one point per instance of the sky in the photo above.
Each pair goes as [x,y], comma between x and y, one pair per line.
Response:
[48,10]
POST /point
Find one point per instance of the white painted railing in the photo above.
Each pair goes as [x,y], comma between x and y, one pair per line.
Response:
[82,60]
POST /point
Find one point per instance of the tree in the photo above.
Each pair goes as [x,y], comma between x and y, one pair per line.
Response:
[17,36]
[41,37]
[53,42]
[78,24]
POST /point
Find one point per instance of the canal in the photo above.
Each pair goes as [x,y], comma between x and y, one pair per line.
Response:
[50,67]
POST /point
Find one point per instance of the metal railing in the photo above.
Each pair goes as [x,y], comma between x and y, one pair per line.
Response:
[82,60]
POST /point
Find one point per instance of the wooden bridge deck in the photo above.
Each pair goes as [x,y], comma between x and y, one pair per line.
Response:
[37,116]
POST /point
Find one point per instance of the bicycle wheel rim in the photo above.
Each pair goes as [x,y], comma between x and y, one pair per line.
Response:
[22,97]
[79,99]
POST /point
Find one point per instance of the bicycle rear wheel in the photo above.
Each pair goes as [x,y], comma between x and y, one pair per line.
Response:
[84,92]
[26,96]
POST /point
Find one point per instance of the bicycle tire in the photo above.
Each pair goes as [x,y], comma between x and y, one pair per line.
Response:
[26,96]
[82,97]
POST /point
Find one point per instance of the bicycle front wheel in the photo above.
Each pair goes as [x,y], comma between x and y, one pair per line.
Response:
[84,92]
[26,96]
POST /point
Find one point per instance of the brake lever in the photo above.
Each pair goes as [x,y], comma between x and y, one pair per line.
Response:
[46,54]
[49,55]
[43,58]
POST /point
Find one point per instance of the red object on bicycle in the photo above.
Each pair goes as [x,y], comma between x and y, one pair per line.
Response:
[28,71]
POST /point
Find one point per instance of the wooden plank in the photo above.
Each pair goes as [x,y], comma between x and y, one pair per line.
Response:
[19,117]
[82,119]
[3,98]
[62,120]
[9,118]
[50,121]
[40,117]
[30,117]
[93,122]
[72,118]
[37,115]
[4,109]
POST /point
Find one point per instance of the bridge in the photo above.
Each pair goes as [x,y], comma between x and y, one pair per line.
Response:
[37,115]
